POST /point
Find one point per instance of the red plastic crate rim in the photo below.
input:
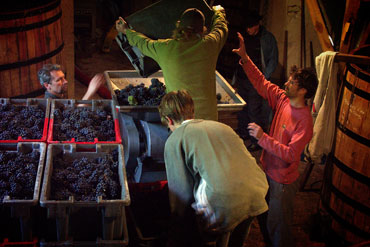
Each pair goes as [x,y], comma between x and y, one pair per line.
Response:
[28,243]
[20,139]
[116,129]
[147,187]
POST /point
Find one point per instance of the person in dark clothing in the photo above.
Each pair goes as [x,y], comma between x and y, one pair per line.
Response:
[52,78]
[262,48]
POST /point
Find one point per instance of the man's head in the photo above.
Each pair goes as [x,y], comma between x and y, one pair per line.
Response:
[252,23]
[191,22]
[175,107]
[301,81]
[53,79]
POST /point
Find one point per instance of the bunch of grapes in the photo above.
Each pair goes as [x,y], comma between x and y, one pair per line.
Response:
[141,95]
[24,121]
[18,173]
[83,124]
[86,179]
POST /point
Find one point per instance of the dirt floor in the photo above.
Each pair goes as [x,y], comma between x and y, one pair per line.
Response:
[94,61]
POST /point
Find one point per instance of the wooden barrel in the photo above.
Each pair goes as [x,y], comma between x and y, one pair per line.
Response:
[347,196]
[30,36]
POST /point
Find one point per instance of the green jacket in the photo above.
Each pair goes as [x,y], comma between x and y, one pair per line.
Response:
[212,151]
[189,65]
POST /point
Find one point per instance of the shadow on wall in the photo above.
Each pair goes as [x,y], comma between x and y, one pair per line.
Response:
[279,76]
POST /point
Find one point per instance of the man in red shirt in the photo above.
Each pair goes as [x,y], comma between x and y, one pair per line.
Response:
[291,130]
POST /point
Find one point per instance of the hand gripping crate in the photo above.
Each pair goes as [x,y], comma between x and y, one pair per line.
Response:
[103,220]
[107,105]
[44,104]
[19,217]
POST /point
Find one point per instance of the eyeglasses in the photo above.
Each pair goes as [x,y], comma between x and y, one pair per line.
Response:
[292,82]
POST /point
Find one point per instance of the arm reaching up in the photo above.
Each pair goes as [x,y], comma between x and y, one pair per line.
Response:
[241,50]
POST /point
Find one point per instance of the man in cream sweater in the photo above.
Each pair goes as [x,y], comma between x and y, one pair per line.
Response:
[215,186]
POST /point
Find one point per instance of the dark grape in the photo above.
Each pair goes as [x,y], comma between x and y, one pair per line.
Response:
[141,95]
[86,178]
[83,124]
[18,173]
[24,121]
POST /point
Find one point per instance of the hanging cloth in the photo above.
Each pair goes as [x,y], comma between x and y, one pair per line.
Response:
[323,110]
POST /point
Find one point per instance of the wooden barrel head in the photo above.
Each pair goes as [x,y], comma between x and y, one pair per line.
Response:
[29,38]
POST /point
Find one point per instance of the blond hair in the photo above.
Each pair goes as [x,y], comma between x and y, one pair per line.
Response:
[176,105]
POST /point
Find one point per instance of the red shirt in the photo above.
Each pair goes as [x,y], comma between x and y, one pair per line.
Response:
[291,129]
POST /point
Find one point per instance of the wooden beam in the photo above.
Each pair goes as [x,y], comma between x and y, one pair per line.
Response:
[348,58]
[319,24]
[303,35]
[285,58]
[68,53]
[349,20]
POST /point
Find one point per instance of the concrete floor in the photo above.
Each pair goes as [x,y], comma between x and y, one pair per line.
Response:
[306,203]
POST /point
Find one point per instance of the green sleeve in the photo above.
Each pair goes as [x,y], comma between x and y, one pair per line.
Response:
[219,29]
[147,46]
[180,182]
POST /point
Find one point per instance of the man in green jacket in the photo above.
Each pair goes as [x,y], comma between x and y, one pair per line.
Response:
[212,178]
[188,59]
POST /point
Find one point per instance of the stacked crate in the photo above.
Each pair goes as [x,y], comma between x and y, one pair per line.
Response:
[98,221]
[42,104]
[45,221]
[19,215]
[93,105]
[77,221]
[23,128]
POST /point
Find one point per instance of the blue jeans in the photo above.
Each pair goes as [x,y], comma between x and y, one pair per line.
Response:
[281,211]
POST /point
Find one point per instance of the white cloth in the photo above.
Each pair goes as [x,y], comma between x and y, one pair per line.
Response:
[324,104]
[201,204]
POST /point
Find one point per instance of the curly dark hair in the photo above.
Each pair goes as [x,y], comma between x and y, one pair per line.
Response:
[306,78]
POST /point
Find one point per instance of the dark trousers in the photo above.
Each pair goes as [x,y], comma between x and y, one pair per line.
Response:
[188,231]
[279,217]
[234,238]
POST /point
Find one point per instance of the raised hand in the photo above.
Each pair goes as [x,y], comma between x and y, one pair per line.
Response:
[121,25]
[241,50]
